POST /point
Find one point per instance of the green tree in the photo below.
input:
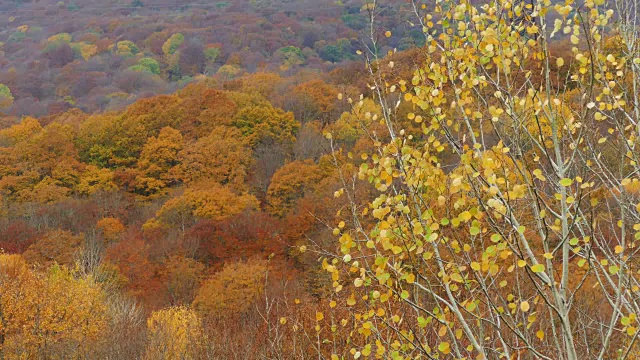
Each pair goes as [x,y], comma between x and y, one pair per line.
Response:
[6,98]
[147,64]
[172,44]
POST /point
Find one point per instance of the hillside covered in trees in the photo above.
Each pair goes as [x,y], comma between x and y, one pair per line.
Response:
[102,55]
[295,180]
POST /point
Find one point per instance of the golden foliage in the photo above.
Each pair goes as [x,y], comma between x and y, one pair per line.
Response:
[111,228]
[174,333]
[233,290]
[44,314]
[290,183]
[223,156]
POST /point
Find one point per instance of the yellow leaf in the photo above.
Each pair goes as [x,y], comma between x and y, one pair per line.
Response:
[351,300]
[444,347]
[442,331]
[411,278]
[559,62]
[319,316]
[538,268]
[524,306]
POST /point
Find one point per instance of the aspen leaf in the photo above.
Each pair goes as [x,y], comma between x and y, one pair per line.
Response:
[471,306]
[524,306]
[566,182]
[422,322]
[613,269]
[351,300]
[581,263]
[538,268]
[442,331]
[411,278]
[444,347]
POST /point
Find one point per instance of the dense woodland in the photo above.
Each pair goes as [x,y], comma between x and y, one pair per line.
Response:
[297,180]
[103,55]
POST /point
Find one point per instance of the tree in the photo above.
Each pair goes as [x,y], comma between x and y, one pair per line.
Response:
[131,257]
[158,161]
[172,44]
[316,101]
[126,48]
[205,109]
[55,247]
[192,59]
[84,49]
[223,156]
[290,56]
[204,200]
[52,314]
[262,121]
[523,246]
[183,276]
[6,98]
[59,55]
[290,183]
[117,139]
[36,173]
[212,53]
[93,180]
[147,64]
[233,290]
[175,333]
[111,229]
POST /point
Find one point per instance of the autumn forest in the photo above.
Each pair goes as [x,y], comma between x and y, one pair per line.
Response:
[278,179]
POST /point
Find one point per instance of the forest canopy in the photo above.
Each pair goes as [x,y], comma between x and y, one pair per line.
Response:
[424,180]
